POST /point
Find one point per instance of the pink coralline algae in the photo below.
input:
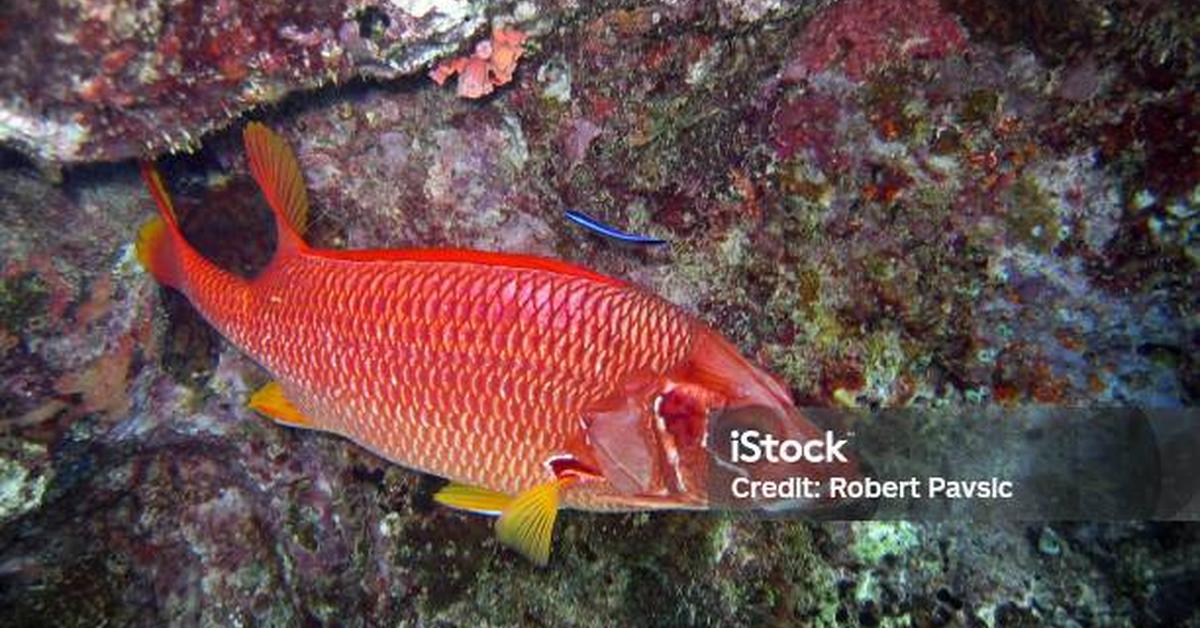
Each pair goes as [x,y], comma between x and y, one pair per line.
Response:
[810,121]
[577,137]
[860,36]
[490,66]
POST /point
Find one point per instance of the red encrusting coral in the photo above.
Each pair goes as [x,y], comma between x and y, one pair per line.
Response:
[863,35]
[810,121]
[490,66]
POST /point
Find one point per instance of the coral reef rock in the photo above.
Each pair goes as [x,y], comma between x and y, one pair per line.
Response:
[110,79]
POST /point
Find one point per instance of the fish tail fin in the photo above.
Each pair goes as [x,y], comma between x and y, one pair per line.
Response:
[274,167]
[159,239]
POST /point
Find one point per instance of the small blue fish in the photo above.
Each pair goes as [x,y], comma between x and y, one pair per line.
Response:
[608,231]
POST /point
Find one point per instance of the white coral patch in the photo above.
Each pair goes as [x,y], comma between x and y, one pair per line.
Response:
[20,490]
[40,138]
[447,11]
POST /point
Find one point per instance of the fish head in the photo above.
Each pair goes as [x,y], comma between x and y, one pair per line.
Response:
[665,441]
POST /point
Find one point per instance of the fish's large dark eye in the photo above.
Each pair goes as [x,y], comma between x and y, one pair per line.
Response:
[684,416]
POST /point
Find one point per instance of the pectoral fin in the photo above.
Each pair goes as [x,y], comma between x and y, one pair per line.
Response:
[527,524]
[621,439]
[270,400]
[473,499]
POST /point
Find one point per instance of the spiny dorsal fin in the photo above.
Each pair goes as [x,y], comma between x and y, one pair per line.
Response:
[275,168]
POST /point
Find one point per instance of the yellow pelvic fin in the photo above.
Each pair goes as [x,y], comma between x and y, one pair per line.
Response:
[473,498]
[269,400]
[527,524]
[274,166]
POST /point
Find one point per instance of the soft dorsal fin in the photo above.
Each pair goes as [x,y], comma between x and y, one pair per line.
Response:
[275,168]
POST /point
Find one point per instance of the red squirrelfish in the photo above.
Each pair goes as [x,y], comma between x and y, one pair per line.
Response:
[529,383]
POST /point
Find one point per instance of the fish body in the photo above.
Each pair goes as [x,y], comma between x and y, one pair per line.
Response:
[609,231]
[478,371]
[528,382]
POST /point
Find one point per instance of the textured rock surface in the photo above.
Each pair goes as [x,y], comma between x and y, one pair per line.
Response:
[974,205]
[112,79]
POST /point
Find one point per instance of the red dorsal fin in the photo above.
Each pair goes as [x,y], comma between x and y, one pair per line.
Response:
[275,168]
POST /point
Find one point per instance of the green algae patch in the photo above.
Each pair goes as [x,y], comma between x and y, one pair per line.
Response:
[22,300]
[873,540]
[1031,217]
[21,489]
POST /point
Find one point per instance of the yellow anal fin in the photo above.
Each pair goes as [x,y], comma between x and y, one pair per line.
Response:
[473,498]
[270,400]
[527,524]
